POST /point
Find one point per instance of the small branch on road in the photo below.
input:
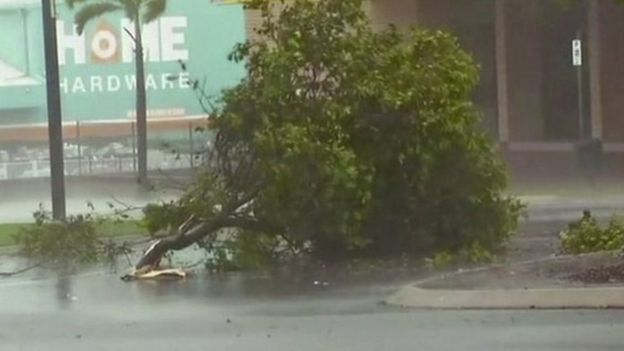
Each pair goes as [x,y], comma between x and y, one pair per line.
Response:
[21,270]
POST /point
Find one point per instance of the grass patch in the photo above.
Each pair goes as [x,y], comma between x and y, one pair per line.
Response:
[105,229]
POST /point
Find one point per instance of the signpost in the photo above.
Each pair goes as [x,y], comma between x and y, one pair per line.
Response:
[55,127]
[577,53]
[577,61]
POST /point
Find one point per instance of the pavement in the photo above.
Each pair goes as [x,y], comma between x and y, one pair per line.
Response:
[537,284]
[568,207]
[93,309]
[546,215]
[534,275]
[96,311]
[19,198]
[523,299]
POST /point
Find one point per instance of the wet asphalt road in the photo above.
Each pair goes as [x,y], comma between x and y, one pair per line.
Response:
[97,311]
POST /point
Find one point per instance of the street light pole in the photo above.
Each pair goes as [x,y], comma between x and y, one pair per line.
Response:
[55,125]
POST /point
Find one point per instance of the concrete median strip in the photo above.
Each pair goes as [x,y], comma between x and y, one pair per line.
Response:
[557,298]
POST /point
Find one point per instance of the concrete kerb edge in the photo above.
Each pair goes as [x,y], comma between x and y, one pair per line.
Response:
[415,296]
[572,298]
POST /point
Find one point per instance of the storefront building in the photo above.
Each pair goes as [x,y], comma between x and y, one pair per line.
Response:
[538,101]
[97,78]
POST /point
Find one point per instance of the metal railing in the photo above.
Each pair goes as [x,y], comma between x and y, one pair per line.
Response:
[90,166]
[103,148]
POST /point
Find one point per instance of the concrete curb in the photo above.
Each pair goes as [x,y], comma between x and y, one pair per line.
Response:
[416,295]
[566,298]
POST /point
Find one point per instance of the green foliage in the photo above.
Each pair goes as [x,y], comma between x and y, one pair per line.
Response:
[87,13]
[243,252]
[477,254]
[144,10]
[153,10]
[254,251]
[106,228]
[474,254]
[221,260]
[441,260]
[586,235]
[357,142]
[73,241]
[79,239]
[165,215]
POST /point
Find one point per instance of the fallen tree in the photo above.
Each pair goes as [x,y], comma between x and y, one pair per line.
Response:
[340,141]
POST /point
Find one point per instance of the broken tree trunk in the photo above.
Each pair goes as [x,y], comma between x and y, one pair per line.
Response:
[191,232]
[196,233]
[182,240]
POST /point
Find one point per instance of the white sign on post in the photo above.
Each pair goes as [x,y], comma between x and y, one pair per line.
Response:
[577,52]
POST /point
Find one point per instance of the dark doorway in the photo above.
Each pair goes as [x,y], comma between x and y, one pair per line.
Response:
[561,24]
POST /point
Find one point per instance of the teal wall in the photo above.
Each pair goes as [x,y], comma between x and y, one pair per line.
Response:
[34,41]
[12,47]
[90,90]
[21,47]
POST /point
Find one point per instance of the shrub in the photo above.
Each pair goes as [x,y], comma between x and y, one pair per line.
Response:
[586,235]
[348,141]
[72,241]
[473,254]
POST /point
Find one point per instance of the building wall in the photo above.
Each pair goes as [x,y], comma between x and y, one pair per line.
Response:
[402,13]
[542,83]
[560,26]
[12,47]
[34,42]
[253,19]
[92,88]
[524,71]
[612,72]
[473,22]
[533,107]
[21,49]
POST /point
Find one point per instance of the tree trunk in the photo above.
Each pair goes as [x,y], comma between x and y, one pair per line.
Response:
[176,242]
[141,103]
[185,238]
[191,232]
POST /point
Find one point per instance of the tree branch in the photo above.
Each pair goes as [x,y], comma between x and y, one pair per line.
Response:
[21,270]
[130,34]
[189,234]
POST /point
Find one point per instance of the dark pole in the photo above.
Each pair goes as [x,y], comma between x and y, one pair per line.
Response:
[191,146]
[79,147]
[55,126]
[141,102]
[134,150]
